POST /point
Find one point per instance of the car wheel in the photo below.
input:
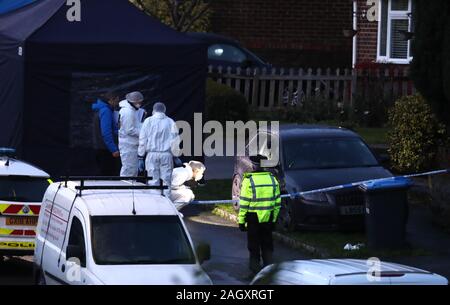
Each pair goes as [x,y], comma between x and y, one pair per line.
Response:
[236,190]
[286,219]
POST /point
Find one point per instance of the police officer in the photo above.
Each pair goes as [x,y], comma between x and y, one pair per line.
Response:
[260,204]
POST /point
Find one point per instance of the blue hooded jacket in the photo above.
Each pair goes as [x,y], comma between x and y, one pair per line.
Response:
[108,126]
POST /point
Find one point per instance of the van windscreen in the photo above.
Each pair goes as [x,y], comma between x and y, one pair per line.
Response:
[134,240]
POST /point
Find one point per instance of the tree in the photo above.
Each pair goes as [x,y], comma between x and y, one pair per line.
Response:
[182,15]
[431,48]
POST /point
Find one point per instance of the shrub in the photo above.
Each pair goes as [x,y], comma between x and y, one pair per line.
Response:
[415,136]
[225,104]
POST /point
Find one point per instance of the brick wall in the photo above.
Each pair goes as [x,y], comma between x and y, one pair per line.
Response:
[289,32]
[367,37]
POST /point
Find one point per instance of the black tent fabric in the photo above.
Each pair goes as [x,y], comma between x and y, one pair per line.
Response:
[15,28]
[64,66]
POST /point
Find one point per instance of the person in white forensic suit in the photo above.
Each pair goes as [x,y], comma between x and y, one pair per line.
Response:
[129,129]
[181,194]
[158,134]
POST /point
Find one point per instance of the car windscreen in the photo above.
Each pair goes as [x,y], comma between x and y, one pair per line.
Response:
[134,240]
[22,189]
[327,153]
[226,52]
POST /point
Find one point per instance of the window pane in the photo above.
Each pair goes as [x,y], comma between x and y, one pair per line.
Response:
[134,240]
[384,27]
[76,237]
[224,52]
[399,5]
[327,153]
[20,189]
[399,45]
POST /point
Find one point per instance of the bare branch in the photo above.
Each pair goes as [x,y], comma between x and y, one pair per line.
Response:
[187,13]
[196,17]
[170,7]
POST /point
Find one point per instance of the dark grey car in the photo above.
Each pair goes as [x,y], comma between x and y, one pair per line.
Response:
[227,52]
[314,157]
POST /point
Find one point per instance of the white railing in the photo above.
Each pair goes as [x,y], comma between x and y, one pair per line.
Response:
[267,89]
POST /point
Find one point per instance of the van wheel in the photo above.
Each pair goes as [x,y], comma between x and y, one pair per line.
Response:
[40,278]
[236,190]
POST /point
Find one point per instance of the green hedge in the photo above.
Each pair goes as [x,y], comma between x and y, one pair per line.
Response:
[415,135]
[225,104]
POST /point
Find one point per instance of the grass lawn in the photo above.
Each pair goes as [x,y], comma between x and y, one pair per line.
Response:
[332,243]
[216,189]
[373,135]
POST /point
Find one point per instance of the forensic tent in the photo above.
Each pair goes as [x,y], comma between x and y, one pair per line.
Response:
[52,68]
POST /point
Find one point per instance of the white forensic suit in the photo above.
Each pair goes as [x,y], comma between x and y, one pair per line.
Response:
[128,139]
[157,135]
[180,193]
[141,114]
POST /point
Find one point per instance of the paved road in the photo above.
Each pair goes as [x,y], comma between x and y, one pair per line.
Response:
[16,271]
[229,255]
[228,264]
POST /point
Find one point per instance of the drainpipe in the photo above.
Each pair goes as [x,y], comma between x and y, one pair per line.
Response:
[355,27]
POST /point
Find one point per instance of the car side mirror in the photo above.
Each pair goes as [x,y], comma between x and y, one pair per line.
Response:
[203,252]
[75,251]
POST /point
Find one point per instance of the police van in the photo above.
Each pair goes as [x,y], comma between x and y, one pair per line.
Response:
[22,187]
[95,231]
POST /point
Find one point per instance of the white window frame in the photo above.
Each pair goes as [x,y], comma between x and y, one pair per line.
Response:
[393,15]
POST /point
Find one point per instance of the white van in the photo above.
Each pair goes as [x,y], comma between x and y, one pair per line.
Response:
[22,187]
[113,232]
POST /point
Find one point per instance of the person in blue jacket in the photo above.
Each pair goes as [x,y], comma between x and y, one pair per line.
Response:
[106,135]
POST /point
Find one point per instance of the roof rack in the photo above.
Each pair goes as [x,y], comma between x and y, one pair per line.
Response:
[82,186]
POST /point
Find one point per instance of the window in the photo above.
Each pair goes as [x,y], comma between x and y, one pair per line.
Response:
[76,239]
[395,22]
[228,53]
[134,240]
[22,189]
[327,153]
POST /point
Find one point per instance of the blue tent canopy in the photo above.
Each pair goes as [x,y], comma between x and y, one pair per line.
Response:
[51,69]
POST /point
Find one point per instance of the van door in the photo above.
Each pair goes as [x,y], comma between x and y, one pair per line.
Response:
[73,259]
[53,233]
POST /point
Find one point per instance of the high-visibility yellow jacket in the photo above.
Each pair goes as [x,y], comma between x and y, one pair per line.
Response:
[260,194]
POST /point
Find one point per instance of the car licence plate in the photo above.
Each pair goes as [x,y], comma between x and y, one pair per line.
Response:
[22,221]
[352,210]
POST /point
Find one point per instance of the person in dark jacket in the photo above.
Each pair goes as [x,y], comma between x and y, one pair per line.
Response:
[106,135]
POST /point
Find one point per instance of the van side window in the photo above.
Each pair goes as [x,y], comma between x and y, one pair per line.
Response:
[76,239]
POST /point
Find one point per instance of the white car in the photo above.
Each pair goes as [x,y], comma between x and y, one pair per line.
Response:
[114,233]
[22,187]
[344,272]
